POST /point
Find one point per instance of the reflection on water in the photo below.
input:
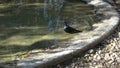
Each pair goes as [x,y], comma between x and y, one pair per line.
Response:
[38,24]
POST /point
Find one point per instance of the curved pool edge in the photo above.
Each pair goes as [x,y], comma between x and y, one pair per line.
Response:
[103,30]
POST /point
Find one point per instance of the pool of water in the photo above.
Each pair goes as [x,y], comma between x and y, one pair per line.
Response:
[38,24]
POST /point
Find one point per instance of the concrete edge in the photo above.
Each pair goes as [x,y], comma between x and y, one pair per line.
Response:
[71,51]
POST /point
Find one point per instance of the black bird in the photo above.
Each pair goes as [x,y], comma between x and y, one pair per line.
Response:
[69,29]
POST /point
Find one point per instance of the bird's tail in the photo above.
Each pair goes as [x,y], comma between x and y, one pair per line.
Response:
[77,31]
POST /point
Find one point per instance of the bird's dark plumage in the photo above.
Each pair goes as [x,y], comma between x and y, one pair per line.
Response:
[69,29]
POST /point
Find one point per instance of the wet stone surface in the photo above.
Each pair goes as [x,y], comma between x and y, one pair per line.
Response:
[105,55]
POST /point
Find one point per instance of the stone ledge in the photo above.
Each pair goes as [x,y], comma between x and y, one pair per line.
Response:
[83,41]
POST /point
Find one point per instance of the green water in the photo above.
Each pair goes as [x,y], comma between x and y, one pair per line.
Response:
[38,24]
